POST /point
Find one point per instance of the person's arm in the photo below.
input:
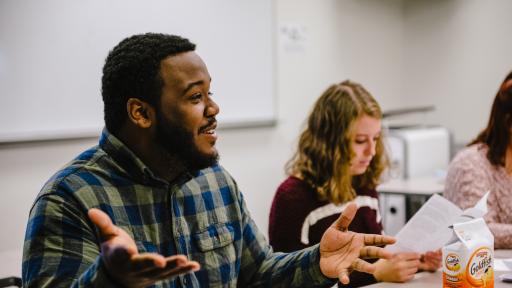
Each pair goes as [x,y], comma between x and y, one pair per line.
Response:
[501,230]
[316,266]
[466,182]
[60,247]
[502,234]
[261,267]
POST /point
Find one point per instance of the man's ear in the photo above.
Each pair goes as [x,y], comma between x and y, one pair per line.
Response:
[140,113]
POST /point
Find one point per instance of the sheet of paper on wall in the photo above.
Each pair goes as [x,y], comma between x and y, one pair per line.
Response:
[430,228]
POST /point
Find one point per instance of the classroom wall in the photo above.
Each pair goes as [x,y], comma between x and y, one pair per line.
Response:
[341,43]
[457,54]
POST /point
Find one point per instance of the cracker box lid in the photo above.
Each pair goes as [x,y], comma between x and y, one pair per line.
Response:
[472,231]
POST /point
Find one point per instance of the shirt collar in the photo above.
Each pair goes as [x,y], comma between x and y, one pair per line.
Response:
[126,159]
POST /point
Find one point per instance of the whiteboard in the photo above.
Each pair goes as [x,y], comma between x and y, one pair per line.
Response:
[52,53]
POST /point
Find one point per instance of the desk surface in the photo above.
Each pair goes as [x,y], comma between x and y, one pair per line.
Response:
[413,186]
[426,279]
[423,279]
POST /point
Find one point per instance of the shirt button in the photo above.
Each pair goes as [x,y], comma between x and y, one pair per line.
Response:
[184,281]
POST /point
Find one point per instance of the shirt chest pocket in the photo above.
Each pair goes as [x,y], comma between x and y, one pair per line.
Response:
[214,236]
[217,254]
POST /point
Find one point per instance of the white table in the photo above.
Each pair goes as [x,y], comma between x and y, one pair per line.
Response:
[415,192]
[424,186]
[426,279]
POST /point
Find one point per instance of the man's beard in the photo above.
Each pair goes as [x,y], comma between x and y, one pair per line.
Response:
[177,141]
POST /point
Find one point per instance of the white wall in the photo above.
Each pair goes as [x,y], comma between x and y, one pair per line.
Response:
[457,54]
[341,43]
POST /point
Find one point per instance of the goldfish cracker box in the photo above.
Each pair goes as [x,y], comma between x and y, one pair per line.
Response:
[468,259]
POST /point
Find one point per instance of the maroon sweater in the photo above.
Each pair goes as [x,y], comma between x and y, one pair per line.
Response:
[295,214]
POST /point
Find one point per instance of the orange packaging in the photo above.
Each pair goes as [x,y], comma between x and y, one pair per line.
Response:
[468,259]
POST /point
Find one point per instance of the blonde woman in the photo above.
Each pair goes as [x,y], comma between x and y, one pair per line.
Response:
[339,159]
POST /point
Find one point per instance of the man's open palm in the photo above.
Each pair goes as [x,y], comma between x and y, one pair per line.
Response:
[342,251]
[129,267]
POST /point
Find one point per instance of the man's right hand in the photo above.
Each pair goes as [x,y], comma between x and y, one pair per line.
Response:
[126,265]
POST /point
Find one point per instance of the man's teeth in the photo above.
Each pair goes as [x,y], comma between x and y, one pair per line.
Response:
[209,132]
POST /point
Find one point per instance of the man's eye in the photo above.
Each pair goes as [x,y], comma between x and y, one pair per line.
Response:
[196,96]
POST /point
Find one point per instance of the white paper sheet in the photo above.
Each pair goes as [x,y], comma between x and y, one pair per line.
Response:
[502,264]
[429,229]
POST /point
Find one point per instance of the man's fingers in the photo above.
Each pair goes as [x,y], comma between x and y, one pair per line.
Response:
[410,256]
[370,252]
[103,222]
[410,271]
[343,276]
[378,240]
[181,261]
[171,271]
[189,266]
[346,217]
[155,266]
[363,266]
[147,261]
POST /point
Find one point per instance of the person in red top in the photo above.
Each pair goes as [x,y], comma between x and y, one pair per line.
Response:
[339,160]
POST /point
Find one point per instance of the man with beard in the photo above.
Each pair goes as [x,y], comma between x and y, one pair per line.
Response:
[150,205]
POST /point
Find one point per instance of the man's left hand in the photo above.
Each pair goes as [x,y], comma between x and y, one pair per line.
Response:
[342,251]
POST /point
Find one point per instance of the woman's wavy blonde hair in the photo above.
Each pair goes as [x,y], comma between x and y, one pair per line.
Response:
[324,150]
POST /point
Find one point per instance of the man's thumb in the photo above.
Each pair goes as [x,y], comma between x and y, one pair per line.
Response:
[346,217]
[103,222]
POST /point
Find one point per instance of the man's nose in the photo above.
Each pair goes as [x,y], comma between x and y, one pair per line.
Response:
[212,108]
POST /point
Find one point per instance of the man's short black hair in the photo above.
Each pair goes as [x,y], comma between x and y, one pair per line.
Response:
[132,70]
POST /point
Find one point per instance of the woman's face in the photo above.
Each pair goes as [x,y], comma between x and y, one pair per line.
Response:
[366,133]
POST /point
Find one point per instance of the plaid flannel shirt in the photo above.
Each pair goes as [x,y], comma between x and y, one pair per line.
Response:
[202,216]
